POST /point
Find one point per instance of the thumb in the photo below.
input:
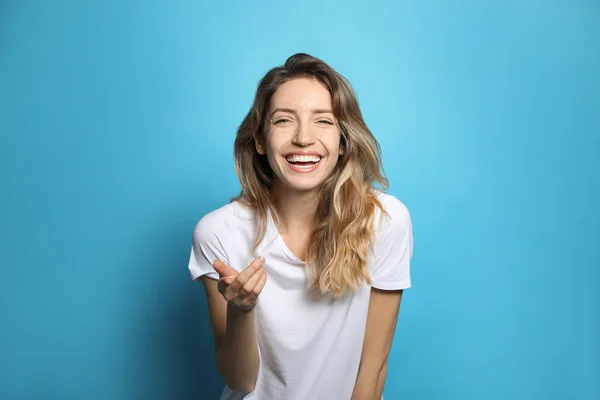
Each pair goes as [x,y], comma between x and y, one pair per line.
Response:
[224,269]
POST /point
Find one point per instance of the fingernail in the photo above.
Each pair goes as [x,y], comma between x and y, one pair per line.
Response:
[261,259]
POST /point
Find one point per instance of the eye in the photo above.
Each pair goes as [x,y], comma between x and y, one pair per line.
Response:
[282,120]
[325,121]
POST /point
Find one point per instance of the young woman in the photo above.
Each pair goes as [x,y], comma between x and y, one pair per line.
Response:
[304,271]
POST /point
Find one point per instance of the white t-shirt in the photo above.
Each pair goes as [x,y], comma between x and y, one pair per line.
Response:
[309,348]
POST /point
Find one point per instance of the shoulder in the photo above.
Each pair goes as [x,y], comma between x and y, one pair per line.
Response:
[220,221]
[396,215]
[393,245]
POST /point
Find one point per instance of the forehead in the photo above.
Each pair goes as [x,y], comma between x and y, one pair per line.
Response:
[301,93]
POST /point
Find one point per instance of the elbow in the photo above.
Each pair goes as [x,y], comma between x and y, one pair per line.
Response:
[235,380]
[240,385]
[383,371]
[244,388]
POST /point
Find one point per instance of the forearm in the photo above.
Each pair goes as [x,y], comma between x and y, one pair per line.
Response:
[369,383]
[237,358]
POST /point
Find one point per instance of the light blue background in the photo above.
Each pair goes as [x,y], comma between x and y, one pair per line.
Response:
[117,121]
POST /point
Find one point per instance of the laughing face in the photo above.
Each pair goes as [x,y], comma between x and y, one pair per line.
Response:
[302,136]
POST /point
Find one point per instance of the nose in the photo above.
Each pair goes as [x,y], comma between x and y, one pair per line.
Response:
[303,137]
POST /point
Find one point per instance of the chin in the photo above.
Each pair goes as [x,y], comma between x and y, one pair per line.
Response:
[299,184]
[309,182]
[302,187]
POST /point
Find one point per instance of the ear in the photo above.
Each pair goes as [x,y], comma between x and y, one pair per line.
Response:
[260,148]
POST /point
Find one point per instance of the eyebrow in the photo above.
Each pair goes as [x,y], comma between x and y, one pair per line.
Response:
[292,111]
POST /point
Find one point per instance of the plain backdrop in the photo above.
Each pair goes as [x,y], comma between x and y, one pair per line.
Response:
[117,121]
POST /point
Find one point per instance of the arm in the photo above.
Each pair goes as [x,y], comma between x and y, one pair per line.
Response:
[231,296]
[234,333]
[382,317]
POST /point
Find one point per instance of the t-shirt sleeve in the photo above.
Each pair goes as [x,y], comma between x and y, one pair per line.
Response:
[207,247]
[393,248]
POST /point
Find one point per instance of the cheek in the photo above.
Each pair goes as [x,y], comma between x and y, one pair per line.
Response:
[334,145]
[273,150]
[273,147]
[335,158]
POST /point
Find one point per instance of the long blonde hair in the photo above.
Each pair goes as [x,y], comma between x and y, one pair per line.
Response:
[338,249]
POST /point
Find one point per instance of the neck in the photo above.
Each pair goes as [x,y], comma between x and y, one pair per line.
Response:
[295,210]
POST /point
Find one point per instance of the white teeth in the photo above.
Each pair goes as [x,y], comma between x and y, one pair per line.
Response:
[299,158]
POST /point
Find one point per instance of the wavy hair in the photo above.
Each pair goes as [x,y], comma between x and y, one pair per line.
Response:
[338,249]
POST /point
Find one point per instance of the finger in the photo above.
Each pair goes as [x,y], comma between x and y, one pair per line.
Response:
[228,280]
[248,288]
[224,283]
[258,288]
[239,281]
[260,284]
[251,269]
[224,269]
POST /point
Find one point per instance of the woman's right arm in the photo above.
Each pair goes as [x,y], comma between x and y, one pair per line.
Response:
[231,309]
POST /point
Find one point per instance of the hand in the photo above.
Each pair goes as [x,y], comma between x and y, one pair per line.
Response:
[241,288]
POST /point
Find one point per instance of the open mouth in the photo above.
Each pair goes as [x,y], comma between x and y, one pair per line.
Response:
[303,162]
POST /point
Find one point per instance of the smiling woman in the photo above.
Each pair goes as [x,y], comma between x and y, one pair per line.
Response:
[303,135]
[326,252]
